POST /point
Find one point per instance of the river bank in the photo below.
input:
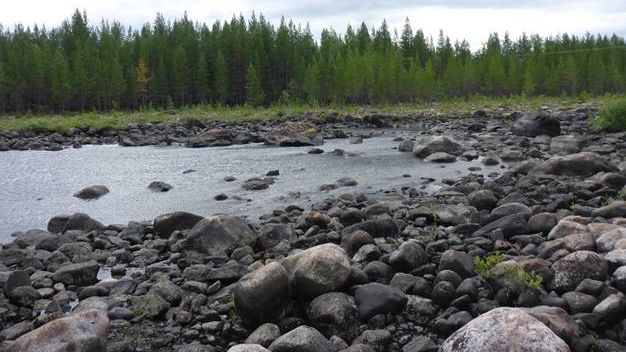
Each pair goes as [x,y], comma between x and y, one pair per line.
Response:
[394,270]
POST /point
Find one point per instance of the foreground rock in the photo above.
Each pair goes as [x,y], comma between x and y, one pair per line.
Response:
[504,330]
[434,145]
[216,234]
[92,192]
[84,331]
[580,164]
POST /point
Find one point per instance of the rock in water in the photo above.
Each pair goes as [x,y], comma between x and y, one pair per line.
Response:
[435,145]
[263,295]
[504,330]
[84,331]
[216,234]
[533,125]
[92,192]
[159,186]
[580,164]
[294,134]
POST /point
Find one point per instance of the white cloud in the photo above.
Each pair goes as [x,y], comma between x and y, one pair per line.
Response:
[458,19]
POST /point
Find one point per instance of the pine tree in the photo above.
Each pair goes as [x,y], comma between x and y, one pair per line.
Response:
[142,80]
[254,92]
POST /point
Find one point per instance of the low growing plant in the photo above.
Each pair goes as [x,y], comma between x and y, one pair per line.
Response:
[513,273]
[483,266]
[612,116]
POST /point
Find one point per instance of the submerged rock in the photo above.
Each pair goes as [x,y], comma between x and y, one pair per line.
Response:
[92,192]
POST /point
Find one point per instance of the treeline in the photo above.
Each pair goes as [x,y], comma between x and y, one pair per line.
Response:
[81,67]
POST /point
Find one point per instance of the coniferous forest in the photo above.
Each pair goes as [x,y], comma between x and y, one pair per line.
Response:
[78,67]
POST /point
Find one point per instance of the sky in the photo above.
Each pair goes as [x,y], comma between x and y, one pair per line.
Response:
[459,19]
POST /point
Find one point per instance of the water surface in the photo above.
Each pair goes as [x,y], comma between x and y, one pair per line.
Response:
[36,185]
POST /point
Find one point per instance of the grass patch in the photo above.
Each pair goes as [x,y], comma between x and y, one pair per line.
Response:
[121,119]
[612,116]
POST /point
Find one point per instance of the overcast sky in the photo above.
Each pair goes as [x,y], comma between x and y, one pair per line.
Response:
[472,20]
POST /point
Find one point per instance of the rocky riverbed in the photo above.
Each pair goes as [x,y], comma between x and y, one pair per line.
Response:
[391,271]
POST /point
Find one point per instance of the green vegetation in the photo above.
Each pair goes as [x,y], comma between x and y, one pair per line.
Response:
[612,116]
[513,273]
[121,119]
[164,65]
[482,266]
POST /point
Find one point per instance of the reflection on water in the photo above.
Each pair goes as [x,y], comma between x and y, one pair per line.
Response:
[36,185]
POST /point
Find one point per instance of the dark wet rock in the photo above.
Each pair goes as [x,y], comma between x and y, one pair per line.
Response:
[420,343]
[482,199]
[216,234]
[316,151]
[84,331]
[612,308]
[263,295]
[500,329]
[92,192]
[80,274]
[57,223]
[375,298]
[335,313]
[557,320]
[408,256]
[406,145]
[220,197]
[532,125]
[165,224]
[273,234]
[150,305]
[302,339]
[346,182]
[459,262]
[542,222]
[159,186]
[510,225]
[579,164]
[614,210]
[82,222]
[381,227]
[247,347]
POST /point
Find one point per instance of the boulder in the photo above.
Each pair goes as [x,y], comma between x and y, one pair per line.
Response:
[264,335]
[406,145]
[248,347]
[583,164]
[335,313]
[374,298]
[80,274]
[504,330]
[263,295]
[533,125]
[217,234]
[482,199]
[165,224]
[84,331]
[294,134]
[82,222]
[92,192]
[572,269]
[318,270]
[433,145]
[459,262]
[616,209]
[440,157]
[557,320]
[302,339]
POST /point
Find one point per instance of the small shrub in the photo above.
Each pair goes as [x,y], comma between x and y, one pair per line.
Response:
[483,266]
[612,116]
[513,273]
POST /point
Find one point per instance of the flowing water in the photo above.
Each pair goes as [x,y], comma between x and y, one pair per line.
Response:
[36,185]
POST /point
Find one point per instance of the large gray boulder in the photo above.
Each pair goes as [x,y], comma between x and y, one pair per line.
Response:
[217,234]
[84,331]
[263,295]
[533,125]
[318,270]
[437,144]
[82,222]
[165,224]
[580,164]
[572,269]
[504,330]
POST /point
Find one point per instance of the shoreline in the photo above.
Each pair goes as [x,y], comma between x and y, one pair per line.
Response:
[358,273]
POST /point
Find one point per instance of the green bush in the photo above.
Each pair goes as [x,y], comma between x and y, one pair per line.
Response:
[513,273]
[612,116]
[482,266]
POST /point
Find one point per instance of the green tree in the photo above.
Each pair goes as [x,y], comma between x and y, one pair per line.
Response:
[254,93]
